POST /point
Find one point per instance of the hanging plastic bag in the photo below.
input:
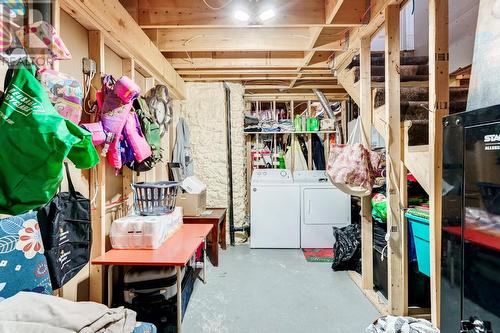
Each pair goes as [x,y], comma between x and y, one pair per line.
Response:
[66,233]
[352,167]
[347,248]
[299,162]
[35,141]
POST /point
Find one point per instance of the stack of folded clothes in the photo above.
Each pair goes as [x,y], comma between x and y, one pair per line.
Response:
[251,124]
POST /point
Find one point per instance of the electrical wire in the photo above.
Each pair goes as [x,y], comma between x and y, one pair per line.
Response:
[217,8]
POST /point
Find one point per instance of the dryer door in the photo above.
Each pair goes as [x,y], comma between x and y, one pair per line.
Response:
[326,206]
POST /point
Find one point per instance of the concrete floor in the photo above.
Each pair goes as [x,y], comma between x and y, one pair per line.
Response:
[276,291]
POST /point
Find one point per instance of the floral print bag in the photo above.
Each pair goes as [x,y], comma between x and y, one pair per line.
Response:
[23,266]
[352,168]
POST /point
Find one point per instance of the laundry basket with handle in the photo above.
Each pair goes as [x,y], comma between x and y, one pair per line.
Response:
[156,198]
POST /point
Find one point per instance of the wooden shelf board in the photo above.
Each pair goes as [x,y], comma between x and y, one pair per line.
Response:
[378,116]
[416,159]
[376,298]
[302,132]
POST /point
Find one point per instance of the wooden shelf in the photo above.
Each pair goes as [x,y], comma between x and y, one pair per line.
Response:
[301,132]
[379,122]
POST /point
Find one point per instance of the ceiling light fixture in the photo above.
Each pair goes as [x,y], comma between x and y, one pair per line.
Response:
[241,16]
[267,14]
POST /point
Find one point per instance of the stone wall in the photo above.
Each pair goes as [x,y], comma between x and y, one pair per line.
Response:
[205,113]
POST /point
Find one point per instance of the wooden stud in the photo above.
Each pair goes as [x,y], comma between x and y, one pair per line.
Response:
[97,182]
[366,126]
[310,164]
[393,143]
[124,36]
[439,105]
[292,153]
[128,69]
[403,186]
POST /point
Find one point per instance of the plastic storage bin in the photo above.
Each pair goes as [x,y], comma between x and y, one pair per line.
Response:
[144,232]
[420,229]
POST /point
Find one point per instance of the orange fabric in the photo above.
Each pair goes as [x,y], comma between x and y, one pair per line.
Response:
[176,251]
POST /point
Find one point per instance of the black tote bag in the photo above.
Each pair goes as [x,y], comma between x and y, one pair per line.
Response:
[66,233]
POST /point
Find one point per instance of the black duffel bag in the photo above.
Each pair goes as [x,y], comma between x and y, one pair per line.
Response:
[66,233]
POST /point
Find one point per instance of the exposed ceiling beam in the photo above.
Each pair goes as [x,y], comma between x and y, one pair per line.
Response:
[239,39]
[252,78]
[125,37]
[280,96]
[240,59]
[338,88]
[249,71]
[194,12]
[346,11]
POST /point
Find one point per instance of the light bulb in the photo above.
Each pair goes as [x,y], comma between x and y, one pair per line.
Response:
[241,16]
[267,14]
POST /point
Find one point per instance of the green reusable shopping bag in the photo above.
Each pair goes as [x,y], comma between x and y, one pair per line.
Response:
[34,141]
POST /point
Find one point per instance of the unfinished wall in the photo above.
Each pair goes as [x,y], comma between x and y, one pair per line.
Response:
[205,113]
[463,20]
[76,39]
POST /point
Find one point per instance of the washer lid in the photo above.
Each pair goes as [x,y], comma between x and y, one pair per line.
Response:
[272,176]
[311,176]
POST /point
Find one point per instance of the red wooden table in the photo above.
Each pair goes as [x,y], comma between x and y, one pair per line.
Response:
[217,219]
[176,251]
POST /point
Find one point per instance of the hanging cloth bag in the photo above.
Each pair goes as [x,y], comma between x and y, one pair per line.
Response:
[66,233]
[35,141]
[351,167]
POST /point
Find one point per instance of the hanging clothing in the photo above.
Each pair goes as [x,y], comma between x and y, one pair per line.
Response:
[318,152]
[35,141]
[182,150]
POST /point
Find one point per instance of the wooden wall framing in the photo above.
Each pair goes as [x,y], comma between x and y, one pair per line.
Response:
[387,16]
[139,60]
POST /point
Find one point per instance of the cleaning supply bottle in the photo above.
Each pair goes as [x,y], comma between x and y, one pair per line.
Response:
[298,123]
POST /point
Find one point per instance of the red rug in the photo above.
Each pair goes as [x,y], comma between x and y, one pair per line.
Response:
[318,255]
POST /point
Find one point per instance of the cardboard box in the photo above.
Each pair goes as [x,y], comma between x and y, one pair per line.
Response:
[192,204]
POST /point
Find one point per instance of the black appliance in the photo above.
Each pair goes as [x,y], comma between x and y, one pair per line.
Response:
[470,262]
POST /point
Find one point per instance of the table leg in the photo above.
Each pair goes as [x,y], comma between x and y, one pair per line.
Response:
[215,245]
[110,285]
[179,299]
[223,235]
[204,261]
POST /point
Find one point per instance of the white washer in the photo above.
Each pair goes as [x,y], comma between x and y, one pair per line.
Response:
[322,207]
[275,210]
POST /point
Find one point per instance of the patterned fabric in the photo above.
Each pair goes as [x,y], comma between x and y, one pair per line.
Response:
[144,328]
[43,35]
[65,93]
[353,165]
[12,8]
[401,324]
[22,264]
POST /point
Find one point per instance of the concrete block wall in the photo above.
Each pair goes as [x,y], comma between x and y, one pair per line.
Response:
[205,112]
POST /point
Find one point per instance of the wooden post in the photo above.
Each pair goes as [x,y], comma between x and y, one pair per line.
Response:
[366,126]
[56,23]
[128,69]
[97,182]
[309,141]
[393,142]
[403,195]
[292,141]
[439,104]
